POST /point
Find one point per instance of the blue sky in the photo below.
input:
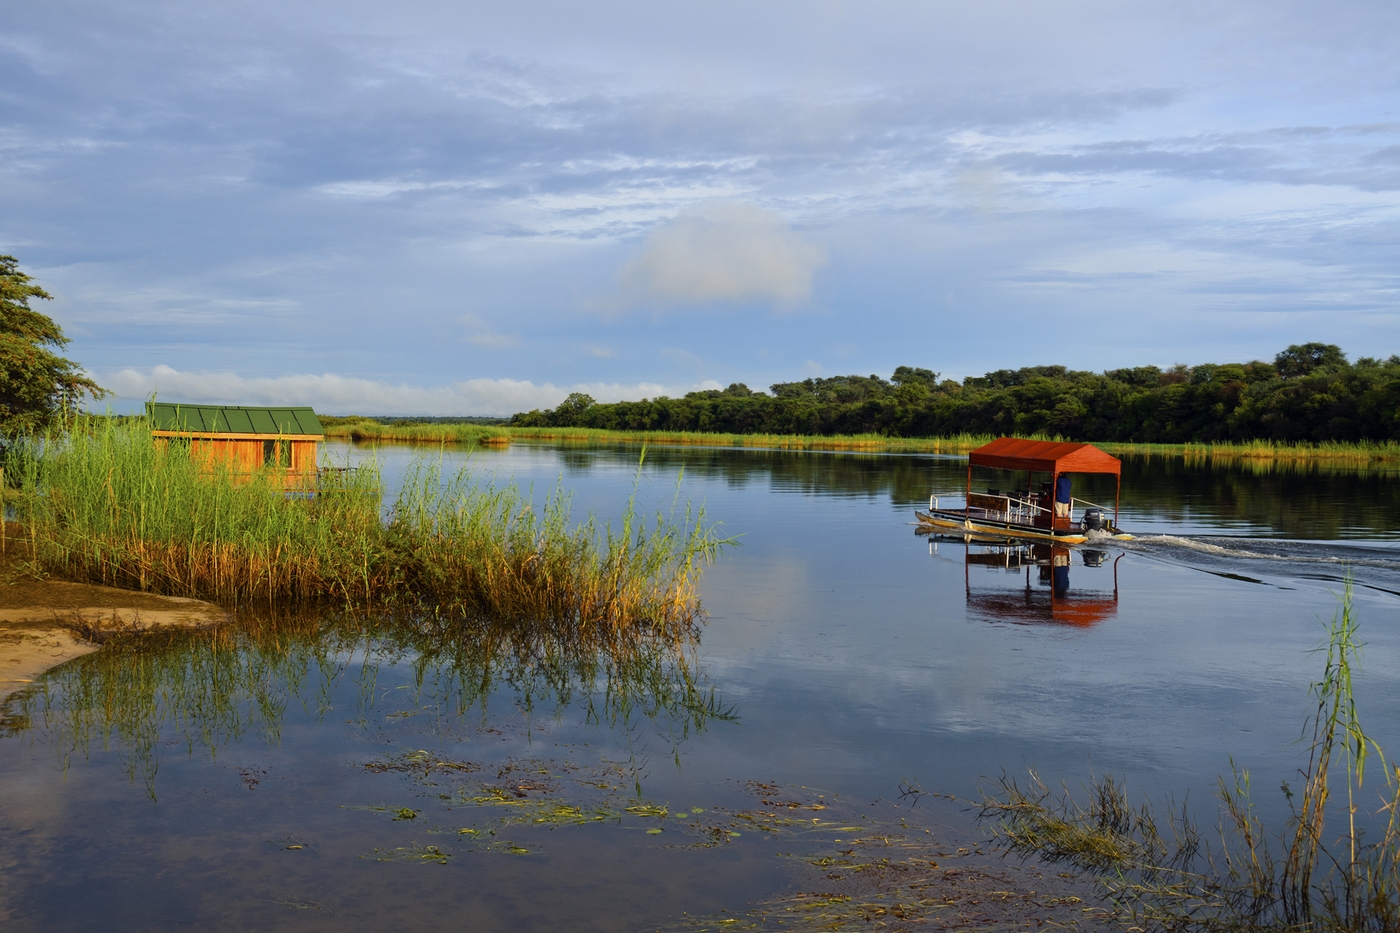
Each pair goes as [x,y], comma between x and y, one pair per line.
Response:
[456,208]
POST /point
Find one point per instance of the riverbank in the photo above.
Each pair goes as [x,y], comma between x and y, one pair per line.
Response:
[46,622]
[368,430]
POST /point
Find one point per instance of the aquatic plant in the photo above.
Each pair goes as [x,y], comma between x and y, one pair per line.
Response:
[1158,873]
[103,504]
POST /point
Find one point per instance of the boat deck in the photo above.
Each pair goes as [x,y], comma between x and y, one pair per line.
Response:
[1011,523]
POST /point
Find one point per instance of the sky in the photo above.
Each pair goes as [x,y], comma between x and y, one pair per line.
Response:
[458,208]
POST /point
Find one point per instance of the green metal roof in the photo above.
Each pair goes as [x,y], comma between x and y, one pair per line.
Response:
[232,419]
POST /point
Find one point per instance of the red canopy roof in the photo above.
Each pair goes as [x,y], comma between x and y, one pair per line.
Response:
[1014,453]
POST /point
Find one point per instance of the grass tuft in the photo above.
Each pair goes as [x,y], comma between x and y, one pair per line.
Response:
[104,504]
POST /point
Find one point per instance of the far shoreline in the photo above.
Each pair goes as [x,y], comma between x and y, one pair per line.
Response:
[369,429]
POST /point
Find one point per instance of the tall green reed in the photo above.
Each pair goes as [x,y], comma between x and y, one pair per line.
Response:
[103,503]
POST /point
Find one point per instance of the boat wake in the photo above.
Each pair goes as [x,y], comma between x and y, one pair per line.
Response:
[1290,551]
[1372,567]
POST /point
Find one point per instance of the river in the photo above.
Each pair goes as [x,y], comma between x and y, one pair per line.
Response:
[312,776]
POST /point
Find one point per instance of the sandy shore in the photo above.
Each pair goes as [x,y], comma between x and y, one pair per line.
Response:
[45,623]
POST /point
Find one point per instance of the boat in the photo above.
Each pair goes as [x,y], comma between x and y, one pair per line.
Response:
[1047,513]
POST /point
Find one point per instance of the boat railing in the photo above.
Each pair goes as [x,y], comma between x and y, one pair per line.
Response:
[1022,510]
[1086,504]
[1005,508]
[993,507]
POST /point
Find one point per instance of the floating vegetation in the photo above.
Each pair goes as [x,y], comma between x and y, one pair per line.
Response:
[1158,874]
[400,813]
[104,504]
[413,853]
[419,761]
[873,870]
[854,866]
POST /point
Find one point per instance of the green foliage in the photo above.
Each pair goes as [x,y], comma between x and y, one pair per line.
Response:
[104,503]
[36,384]
[1302,359]
[429,432]
[1310,394]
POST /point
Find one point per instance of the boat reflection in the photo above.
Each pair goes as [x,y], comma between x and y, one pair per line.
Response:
[1030,583]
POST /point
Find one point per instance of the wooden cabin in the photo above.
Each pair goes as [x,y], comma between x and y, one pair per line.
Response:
[244,440]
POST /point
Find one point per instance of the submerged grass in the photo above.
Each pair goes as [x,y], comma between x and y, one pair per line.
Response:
[1158,873]
[106,505]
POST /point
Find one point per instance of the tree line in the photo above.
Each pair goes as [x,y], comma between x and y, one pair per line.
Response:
[1310,392]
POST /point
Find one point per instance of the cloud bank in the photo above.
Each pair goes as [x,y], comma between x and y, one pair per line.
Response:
[343,395]
[428,190]
[722,252]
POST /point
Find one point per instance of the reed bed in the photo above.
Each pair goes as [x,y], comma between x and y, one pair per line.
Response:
[369,430]
[108,506]
[1161,873]
[1362,452]
[854,442]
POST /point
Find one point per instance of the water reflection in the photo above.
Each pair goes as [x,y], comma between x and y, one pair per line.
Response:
[211,689]
[1030,583]
[1287,498]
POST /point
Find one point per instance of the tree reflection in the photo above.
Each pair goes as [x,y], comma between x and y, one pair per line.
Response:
[1291,498]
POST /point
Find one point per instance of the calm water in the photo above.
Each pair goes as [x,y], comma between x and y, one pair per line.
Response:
[305,776]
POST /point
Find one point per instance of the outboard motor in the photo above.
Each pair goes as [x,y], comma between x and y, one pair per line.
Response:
[1094,520]
[1094,558]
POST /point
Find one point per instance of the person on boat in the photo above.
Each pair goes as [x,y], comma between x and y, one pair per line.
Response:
[1063,497]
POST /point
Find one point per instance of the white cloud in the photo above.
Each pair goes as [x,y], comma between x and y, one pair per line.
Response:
[337,395]
[722,252]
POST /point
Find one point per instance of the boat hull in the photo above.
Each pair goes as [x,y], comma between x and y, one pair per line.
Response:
[959,523]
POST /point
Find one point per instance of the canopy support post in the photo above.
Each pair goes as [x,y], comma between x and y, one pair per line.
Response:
[967,499]
[1117,492]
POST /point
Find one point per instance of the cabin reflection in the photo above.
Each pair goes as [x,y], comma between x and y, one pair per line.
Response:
[1030,583]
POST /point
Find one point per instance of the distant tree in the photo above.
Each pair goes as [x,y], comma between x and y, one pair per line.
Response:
[1303,358]
[569,413]
[1324,399]
[36,384]
[914,375]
